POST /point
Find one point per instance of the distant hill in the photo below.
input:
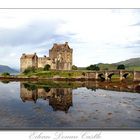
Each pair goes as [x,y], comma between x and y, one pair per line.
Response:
[130,62]
[4,68]
[106,66]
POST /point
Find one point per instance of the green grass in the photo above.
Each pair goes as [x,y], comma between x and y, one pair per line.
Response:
[136,68]
[107,66]
[50,74]
[114,67]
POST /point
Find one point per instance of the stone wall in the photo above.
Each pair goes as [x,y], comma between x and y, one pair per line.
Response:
[42,61]
[136,75]
[28,61]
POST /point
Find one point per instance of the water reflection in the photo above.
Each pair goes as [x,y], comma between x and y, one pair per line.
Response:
[58,98]
[5,81]
[59,95]
[27,93]
[61,99]
[90,104]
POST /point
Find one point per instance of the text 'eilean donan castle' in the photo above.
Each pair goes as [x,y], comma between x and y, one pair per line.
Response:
[60,58]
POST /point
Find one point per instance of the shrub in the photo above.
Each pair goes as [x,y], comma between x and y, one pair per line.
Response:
[29,69]
[121,67]
[93,67]
[83,73]
[74,67]
[47,67]
[5,74]
[70,74]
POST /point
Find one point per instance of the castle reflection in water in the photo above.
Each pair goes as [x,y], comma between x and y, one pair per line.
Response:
[58,98]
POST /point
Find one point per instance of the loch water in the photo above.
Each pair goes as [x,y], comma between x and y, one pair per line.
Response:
[26,105]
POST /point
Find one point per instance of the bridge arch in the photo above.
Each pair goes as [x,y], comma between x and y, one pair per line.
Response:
[101,76]
[126,75]
[110,75]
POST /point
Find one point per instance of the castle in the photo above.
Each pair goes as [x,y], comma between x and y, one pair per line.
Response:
[60,58]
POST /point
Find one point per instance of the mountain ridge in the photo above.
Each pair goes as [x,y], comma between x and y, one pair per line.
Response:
[130,62]
[4,68]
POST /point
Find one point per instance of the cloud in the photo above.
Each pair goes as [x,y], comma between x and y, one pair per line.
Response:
[37,36]
[99,35]
[32,34]
[133,45]
[136,24]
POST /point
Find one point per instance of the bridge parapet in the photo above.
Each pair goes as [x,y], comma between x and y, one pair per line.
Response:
[107,75]
[91,75]
[136,76]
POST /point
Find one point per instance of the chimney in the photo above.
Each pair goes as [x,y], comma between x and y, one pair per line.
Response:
[55,44]
[66,43]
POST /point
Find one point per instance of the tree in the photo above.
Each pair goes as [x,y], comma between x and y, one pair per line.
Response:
[93,67]
[29,69]
[74,67]
[47,67]
[121,67]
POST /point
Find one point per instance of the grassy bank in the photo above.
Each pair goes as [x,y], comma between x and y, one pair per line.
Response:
[54,74]
[59,74]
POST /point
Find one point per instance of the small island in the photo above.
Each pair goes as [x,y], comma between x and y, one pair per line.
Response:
[58,66]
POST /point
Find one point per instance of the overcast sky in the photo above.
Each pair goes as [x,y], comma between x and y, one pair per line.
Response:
[96,35]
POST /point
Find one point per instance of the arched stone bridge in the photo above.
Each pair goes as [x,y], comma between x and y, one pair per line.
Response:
[107,75]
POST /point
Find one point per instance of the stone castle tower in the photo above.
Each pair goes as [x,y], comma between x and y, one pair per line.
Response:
[61,55]
[28,60]
[60,58]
